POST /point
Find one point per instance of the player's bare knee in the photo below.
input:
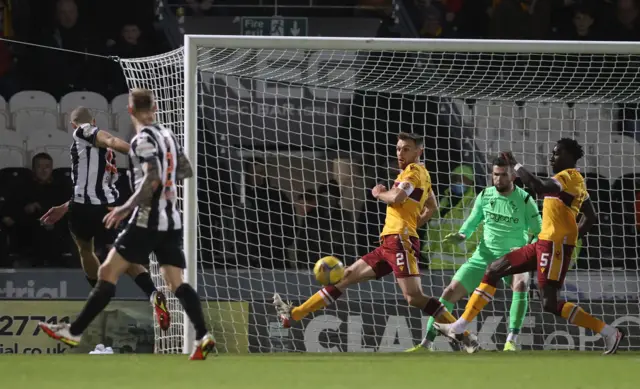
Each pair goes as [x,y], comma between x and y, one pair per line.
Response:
[450,293]
[135,270]
[172,277]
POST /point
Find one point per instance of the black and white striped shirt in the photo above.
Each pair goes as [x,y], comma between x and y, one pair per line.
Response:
[93,169]
[155,144]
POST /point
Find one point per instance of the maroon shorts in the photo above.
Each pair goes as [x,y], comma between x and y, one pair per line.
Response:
[550,259]
[396,254]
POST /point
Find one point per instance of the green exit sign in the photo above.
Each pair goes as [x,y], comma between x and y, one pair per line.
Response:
[274,26]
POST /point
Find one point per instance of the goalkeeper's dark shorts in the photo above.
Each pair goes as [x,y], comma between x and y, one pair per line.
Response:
[136,244]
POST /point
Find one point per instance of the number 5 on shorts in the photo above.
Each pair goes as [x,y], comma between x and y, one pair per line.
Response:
[400,259]
[544,259]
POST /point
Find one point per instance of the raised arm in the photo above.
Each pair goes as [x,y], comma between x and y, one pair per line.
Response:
[475,218]
[589,217]
[430,207]
[106,140]
[539,185]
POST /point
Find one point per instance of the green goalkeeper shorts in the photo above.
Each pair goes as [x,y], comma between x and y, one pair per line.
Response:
[471,273]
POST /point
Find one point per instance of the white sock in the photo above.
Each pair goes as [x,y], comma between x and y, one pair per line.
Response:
[512,337]
[459,326]
[607,330]
[426,343]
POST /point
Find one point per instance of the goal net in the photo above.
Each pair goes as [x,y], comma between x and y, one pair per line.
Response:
[290,134]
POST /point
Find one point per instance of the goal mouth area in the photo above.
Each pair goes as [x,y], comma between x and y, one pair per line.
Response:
[233,100]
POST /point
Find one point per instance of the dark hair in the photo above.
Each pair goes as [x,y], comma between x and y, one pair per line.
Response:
[141,100]
[81,115]
[501,162]
[40,156]
[410,136]
[572,147]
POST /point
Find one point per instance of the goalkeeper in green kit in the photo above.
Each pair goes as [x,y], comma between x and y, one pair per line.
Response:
[511,219]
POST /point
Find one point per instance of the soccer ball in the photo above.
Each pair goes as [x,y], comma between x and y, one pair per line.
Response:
[328,270]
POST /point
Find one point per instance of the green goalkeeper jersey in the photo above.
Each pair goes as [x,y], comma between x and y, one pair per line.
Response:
[509,221]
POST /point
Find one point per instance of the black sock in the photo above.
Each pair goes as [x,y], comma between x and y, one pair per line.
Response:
[143,280]
[98,300]
[191,303]
[92,282]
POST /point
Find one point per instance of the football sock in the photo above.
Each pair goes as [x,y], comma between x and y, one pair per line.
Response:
[578,316]
[191,303]
[92,282]
[98,300]
[479,299]
[431,331]
[513,336]
[143,280]
[324,297]
[519,307]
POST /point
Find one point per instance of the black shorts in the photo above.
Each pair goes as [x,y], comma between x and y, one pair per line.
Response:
[85,221]
[136,244]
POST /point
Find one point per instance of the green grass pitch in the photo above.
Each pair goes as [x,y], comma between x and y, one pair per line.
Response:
[535,370]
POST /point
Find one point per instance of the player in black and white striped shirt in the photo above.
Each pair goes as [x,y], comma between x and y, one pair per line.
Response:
[94,173]
[154,227]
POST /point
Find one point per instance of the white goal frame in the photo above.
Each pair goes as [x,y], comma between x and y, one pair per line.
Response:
[193,42]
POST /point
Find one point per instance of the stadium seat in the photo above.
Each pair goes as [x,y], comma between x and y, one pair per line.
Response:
[593,117]
[123,128]
[97,103]
[619,157]
[63,174]
[12,149]
[547,116]
[13,177]
[598,241]
[33,110]
[55,143]
[4,114]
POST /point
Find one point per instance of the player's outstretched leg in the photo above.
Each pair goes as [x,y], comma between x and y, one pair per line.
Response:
[358,272]
[412,291]
[519,261]
[519,308]
[451,295]
[190,302]
[100,296]
[142,278]
[575,315]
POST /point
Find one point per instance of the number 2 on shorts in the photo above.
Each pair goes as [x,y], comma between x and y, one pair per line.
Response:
[400,259]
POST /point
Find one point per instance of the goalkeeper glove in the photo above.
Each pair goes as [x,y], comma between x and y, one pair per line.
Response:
[454,238]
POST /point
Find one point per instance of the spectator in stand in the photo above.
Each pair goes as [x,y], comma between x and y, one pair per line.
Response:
[8,80]
[43,245]
[434,25]
[584,28]
[520,19]
[130,43]
[625,24]
[64,72]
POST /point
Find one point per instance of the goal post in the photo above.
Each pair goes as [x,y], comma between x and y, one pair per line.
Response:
[321,112]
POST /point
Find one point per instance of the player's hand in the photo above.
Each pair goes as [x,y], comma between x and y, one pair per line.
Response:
[378,189]
[117,215]
[454,238]
[508,156]
[53,215]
